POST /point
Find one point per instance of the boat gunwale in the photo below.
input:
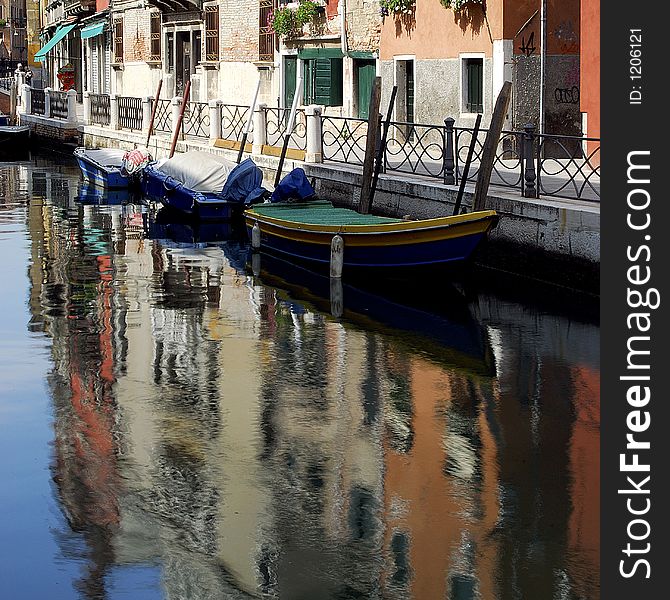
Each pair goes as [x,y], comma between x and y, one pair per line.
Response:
[397,227]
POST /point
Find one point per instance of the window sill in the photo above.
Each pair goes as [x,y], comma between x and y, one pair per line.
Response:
[117,66]
[154,64]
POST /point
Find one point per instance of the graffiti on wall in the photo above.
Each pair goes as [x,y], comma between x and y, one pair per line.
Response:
[528,47]
[567,95]
[567,37]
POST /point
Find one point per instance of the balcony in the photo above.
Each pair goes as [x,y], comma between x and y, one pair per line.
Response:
[78,7]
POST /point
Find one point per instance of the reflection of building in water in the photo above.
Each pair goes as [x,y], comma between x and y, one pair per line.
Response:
[73,300]
[255,448]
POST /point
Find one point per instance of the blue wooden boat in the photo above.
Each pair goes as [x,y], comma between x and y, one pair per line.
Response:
[103,167]
[203,186]
[304,231]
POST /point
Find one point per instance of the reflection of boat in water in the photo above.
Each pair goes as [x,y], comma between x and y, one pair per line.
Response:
[448,335]
[169,225]
[90,193]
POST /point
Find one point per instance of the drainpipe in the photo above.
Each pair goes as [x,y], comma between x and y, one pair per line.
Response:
[343,26]
[543,60]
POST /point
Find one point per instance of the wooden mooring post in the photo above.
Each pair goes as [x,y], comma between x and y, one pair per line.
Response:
[491,147]
[468,161]
[370,146]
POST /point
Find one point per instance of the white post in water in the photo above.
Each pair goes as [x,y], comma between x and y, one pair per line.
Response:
[256,263]
[256,237]
[336,256]
[336,297]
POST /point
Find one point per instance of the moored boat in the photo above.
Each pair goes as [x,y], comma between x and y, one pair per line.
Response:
[103,166]
[305,231]
[203,186]
[13,137]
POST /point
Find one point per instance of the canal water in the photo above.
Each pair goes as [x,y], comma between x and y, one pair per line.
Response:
[178,421]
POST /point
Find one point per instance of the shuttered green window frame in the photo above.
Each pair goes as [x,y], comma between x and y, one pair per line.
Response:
[322,81]
[474,100]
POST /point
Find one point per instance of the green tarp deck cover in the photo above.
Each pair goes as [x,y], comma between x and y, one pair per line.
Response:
[319,213]
[61,32]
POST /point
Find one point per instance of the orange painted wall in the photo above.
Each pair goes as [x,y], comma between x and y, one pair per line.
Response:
[563,25]
[590,65]
[437,32]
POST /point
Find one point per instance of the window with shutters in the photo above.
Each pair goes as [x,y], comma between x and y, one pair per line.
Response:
[472,84]
[212,33]
[118,40]
[155,36]
[323,81]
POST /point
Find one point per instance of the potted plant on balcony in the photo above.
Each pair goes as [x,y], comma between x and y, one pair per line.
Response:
[288,21]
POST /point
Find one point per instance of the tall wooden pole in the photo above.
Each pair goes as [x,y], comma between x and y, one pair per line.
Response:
[182,108]
[380,151]
[491,147]
[153,111]
[370,146]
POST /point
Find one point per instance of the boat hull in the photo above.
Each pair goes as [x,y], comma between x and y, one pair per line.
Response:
[101,175]
[14,138]
[175,196]
[386,246]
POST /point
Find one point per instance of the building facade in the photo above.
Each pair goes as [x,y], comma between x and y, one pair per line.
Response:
[450,62]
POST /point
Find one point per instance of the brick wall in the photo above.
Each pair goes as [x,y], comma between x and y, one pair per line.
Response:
[136,35]
[238,25]
[364,25]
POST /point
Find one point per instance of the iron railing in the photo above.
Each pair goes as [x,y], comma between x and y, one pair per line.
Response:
[234,121]
[58,104]
[6,83]
[551,165]
[130,113]
[163,117]
[343,139]
[276,122]
[37,102]
[100,109]
[196,119]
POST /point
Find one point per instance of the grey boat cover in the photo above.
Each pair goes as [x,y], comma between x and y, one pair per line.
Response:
[199,171]
[107,157]
[204,172]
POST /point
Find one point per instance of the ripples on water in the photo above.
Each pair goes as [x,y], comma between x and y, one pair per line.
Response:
[217,434]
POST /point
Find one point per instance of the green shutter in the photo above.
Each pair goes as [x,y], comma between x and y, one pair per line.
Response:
[323,81]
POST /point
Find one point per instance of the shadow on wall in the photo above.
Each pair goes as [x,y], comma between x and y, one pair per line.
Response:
[405,22]
[469,16]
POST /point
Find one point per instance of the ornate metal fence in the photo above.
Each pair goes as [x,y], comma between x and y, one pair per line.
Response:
[130,113]
[276,122]
[550,165]
[233,121]
[100,109]
[6,82]
[343,139]
[37,102]
[58,104]
[196,119]
[163,117]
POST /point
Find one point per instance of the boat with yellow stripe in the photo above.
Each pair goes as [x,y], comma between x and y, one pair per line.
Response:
[305,231]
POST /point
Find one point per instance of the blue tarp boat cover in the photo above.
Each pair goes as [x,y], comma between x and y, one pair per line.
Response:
[294,186]
[244,184]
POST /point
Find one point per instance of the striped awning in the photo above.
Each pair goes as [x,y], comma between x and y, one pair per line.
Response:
[61,32]
[92,30]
